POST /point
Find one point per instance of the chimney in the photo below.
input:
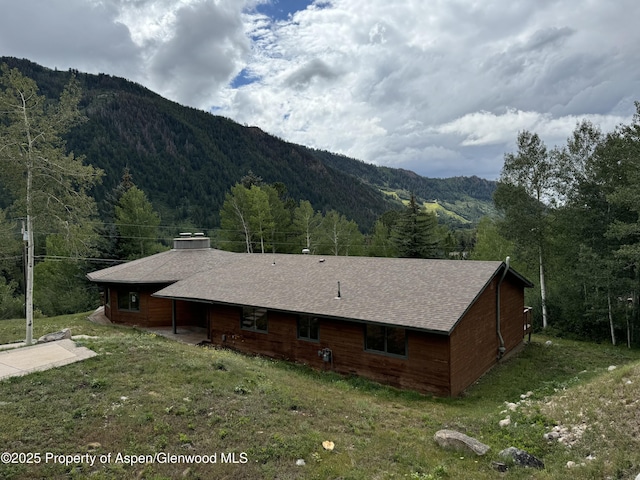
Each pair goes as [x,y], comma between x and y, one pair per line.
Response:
[187,241]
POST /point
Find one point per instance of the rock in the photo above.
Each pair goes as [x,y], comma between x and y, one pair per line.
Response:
[55,336]
[93,445]
[84,337]
[460,441]
[521,458]
[548,343]
[638,477]
[505,422]
[612,368]
[328,445]
[571,464]
[553,435]
[300,462]
[499,466]
[511,406]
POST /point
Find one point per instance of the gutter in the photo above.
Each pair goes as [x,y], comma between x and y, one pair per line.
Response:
[501,348]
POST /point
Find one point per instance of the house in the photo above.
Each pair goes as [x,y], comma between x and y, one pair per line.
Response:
[434,326]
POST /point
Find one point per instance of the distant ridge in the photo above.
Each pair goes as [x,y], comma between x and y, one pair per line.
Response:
[187,159]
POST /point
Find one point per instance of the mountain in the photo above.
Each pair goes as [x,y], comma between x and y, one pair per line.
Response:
[187,159]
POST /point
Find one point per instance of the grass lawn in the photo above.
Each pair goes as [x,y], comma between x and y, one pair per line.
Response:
[256,417]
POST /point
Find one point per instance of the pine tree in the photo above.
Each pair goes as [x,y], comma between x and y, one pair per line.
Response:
[414,234]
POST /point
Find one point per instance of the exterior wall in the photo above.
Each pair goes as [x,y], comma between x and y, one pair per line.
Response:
[474,341]
[426,368]
[153,312]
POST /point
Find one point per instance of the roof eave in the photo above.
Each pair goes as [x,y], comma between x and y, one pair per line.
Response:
[296,312]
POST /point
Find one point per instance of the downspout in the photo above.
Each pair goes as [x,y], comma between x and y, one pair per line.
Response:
[501,348]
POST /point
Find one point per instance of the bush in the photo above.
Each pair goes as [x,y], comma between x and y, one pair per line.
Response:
[10,305]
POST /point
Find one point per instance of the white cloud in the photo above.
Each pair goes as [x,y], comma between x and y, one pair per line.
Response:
[441,87]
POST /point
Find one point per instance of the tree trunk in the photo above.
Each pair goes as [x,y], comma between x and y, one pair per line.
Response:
[29,286]
[543,293]
[613,333]
[28,297]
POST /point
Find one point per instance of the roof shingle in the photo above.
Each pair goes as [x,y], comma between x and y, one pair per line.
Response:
[413,293]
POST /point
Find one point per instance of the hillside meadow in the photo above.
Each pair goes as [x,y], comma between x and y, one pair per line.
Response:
[146,396]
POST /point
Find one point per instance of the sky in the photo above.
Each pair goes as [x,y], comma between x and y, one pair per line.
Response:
[440,87]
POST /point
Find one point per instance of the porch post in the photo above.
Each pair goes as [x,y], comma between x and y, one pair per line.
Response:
[173,317]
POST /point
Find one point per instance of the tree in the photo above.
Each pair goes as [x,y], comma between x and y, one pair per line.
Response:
[339,236]
[137,224]
[260,215]
[380,244]
[49,186]
[490,245]
[415,232]
[235,218]
[60,283]
[528,182]
[305,223]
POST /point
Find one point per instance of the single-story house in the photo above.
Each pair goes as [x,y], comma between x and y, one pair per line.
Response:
[434,326]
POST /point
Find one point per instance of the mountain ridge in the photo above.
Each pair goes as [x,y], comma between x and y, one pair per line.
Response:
[186,159]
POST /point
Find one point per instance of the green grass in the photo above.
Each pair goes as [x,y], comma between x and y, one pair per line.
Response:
[144,394]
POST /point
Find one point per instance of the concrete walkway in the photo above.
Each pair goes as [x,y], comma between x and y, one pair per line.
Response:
[24,360]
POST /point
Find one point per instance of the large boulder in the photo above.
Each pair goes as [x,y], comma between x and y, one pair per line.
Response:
[459,441]
[55,336]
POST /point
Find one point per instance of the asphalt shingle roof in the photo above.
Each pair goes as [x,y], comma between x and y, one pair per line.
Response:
[166,267]
[414,293]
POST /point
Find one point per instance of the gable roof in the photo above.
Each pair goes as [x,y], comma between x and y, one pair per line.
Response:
[423,294]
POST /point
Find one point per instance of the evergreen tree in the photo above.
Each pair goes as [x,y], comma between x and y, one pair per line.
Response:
[137,225]
[414,234]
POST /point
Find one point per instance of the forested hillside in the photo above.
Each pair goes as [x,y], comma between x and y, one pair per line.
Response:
[186,159]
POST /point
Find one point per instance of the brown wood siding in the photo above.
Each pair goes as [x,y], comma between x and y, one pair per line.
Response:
[512,313]
[190,313]
[474,342]
[426,368]
[153,311]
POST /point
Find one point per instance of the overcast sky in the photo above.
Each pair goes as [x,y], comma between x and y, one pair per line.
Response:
[441,87]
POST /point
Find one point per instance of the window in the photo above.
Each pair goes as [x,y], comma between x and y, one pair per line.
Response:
[308,328]
[391,340]
[129,301]
[107,296]
[254,319]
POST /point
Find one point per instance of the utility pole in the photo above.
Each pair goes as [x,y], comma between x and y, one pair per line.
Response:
[27,237]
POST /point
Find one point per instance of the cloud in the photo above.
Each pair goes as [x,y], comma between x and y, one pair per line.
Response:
[203,52]
[438,87]
[315,68]
[486,128]
[68,34]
